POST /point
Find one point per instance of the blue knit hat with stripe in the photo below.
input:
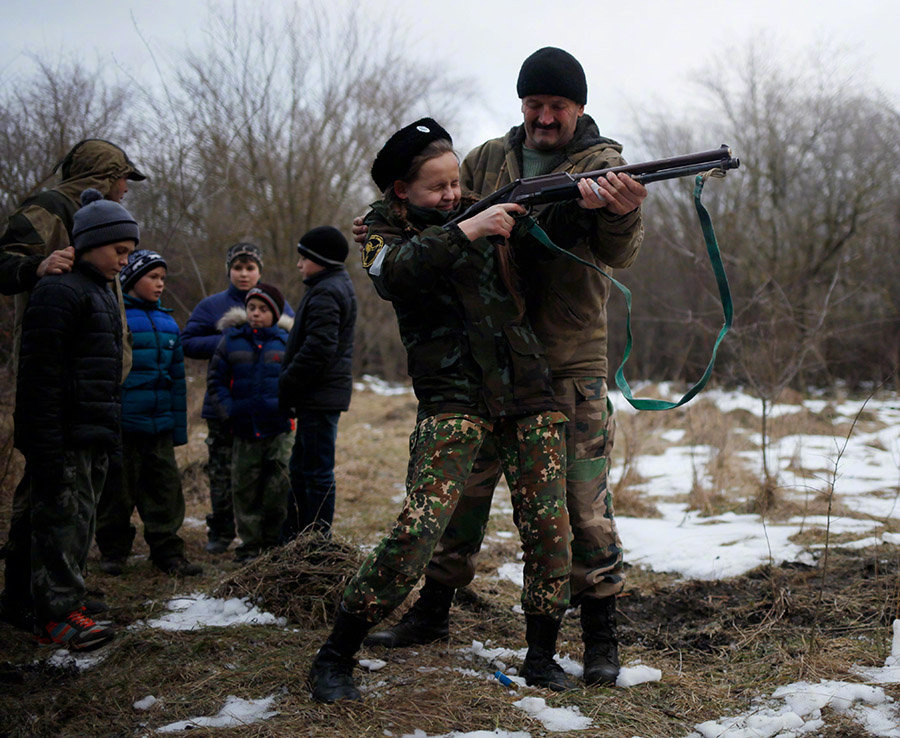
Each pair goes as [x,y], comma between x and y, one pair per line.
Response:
[139,263]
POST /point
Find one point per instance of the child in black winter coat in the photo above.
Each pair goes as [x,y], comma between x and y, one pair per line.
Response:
[68,415]
[316,376]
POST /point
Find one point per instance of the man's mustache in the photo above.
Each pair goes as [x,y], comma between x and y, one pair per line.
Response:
[547,126]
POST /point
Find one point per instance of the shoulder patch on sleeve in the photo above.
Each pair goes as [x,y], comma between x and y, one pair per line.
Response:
[373,246]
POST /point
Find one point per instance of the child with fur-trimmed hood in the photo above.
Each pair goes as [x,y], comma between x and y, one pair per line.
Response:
[243,387]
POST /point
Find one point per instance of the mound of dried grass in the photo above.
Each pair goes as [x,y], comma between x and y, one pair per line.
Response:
[301,581]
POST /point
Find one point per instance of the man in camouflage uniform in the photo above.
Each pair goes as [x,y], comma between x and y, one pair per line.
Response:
[480,376]
[38,242]
[567,306]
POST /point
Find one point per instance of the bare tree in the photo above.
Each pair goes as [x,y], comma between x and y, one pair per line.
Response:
[803,223]
[42,115]
[270,129]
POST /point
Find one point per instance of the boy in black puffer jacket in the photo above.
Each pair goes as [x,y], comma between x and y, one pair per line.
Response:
[68,414]
[316,377]
[243,386]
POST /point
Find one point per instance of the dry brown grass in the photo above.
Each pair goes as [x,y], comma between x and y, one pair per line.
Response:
[719,644]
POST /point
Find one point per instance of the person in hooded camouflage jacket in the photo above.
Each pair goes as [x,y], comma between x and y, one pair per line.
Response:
[480,378]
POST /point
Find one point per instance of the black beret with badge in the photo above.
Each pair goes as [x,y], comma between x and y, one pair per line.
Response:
[395,158]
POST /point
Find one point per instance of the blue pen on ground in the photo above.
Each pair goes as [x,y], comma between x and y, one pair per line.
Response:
[504,680]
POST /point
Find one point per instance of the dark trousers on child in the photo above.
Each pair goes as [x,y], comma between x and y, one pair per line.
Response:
[259,478]
[51,533]
[311,500]
[151,482]
[219,442]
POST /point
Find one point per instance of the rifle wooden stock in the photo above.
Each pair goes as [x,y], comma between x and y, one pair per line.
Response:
[563,186]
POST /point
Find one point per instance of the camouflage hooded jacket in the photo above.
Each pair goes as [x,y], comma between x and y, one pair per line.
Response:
[43,224]
[468,349]
[566,300]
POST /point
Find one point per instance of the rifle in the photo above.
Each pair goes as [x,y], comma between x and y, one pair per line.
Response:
[563,186]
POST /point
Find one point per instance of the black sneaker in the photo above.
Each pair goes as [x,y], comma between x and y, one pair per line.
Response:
[217,546]
[178,566]
[112,565]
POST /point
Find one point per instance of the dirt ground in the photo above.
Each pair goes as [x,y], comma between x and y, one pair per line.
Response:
[719,644]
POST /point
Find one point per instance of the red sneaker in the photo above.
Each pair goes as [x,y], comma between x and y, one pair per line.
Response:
[77,632]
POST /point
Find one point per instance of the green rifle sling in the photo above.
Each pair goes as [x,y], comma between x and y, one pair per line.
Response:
[715,259]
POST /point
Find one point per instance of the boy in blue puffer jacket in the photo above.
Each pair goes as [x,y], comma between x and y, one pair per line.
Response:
[242,385]
[154,421]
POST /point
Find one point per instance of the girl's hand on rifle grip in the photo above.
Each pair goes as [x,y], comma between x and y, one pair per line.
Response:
[497,220]
[618,193]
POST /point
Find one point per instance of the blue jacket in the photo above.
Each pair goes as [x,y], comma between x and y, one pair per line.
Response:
[242,383]
[153,395]
[201,335]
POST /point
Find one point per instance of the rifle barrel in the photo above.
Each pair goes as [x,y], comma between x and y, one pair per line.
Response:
[563,186]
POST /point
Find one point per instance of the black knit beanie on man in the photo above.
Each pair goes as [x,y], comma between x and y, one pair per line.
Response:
[552,71]
[395,158]
[99,222]
[245,250]
[139,263]
[270,295]
[324,245]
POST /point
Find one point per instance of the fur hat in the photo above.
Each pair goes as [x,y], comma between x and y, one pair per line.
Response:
[270,295]
[394,159]
[139,263]
[552,71]
[99,222]
[324,245]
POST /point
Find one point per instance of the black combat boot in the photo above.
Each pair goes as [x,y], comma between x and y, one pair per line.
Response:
[601,647]
[428,620]
[539,669]
[331,675]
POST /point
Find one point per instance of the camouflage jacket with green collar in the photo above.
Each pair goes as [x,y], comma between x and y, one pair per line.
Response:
[41,225]
[468,349]
[566,300]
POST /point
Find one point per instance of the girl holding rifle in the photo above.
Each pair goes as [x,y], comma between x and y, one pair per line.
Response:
[480,377]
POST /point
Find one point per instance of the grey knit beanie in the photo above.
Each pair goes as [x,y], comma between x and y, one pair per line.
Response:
[99,222]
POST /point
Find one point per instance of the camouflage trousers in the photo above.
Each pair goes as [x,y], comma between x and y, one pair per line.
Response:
[597,567]
[260,484]
[152,483]
[51,533]
[443,448]
[219,441]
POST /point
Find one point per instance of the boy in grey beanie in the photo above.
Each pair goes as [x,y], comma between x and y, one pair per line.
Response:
[67,417]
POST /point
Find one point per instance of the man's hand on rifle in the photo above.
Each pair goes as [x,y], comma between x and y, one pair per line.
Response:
[618,193]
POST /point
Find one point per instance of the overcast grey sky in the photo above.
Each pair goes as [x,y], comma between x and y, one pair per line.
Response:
[635,53]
